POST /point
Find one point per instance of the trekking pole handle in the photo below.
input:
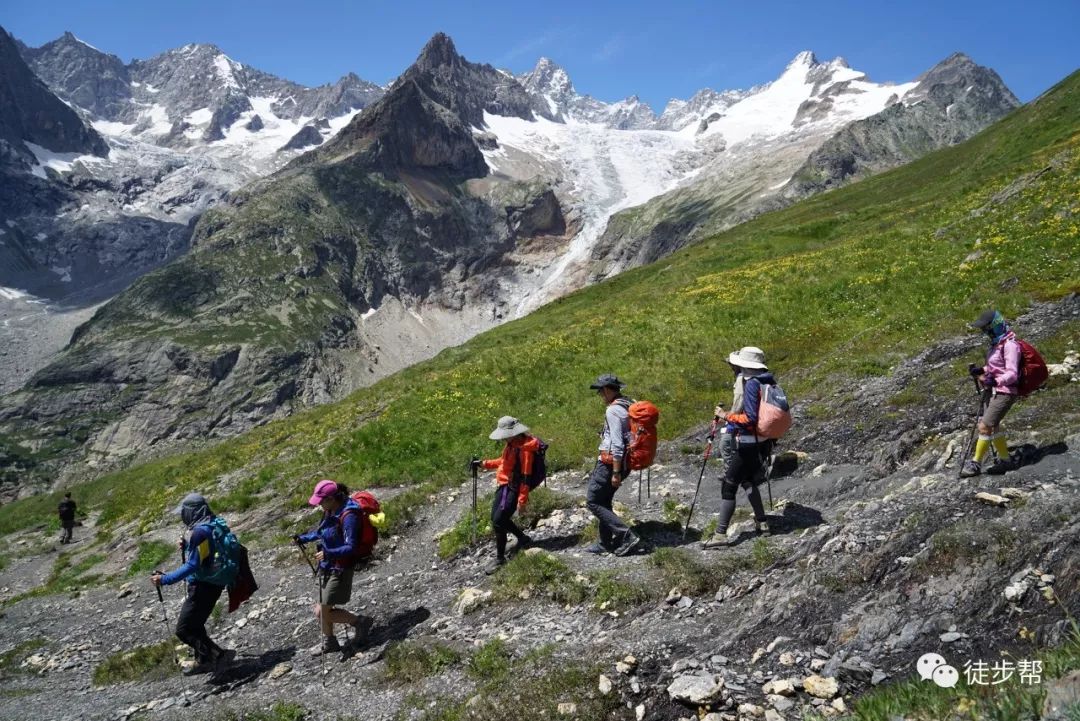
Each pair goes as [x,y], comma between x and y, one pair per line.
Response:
[159,596]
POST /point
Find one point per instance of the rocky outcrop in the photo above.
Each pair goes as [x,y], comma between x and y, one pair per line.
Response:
[308,136]
[952,101]
[30,113]
[84,76]
[541,215]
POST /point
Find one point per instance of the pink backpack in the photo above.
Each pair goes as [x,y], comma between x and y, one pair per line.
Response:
[774,413]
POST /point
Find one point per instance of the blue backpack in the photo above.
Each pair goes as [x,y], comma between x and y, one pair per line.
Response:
[224,556]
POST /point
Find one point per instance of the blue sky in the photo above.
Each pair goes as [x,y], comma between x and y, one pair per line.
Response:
[656,50]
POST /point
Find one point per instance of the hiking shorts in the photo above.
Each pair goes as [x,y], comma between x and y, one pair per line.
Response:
[995,411]
[336,587]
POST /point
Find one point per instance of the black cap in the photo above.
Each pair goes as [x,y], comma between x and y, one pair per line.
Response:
[607,381]
[983,321]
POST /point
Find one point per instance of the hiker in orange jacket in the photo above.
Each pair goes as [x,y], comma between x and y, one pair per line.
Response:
[513,466]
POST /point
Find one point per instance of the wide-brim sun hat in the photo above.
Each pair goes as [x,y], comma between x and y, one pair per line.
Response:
[323,489]
[508,427]
[607,381]
[748,357]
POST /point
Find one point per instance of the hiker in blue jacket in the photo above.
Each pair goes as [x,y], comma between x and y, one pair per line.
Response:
[338,536]
[744,463]
[202,595]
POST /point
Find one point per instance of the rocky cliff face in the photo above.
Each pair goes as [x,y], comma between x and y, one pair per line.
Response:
[30,113]
[952,101]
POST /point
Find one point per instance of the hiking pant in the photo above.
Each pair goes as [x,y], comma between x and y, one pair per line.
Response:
[745,468]
[191,623]
[599,498]
[502,516]
[65,537]
[727,448]
[996,406]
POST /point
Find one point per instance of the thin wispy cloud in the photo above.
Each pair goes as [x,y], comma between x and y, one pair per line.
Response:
[611,49]
[532,48]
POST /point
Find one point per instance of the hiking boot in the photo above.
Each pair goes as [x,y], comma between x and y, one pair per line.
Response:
[495,565]
[329,645]
[598,548]
[719,540]
[762,528]
[1001,466]
[630,542]
[970,469]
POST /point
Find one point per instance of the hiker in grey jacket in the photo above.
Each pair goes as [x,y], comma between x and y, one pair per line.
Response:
[611,468]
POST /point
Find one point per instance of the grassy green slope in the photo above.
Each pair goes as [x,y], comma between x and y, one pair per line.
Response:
[840,286]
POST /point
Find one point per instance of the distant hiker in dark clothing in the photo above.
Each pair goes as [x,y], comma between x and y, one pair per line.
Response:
[515,463]
[338,537]
[744,463]
[999,379]
[611,468]
[202,594]
[66,509]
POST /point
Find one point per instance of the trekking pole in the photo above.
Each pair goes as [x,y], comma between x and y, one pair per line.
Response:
[176,660]
[639,488]
[704,461]
[974,430]
[475,466]
[307,558]
[648,482]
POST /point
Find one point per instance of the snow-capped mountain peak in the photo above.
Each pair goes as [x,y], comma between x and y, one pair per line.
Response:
[804,60]
[551,83]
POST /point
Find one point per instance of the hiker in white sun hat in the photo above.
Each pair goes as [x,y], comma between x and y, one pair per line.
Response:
[743,452]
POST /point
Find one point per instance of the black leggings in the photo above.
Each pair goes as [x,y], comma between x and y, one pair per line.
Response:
[191,623]
[745,468]
[502,516]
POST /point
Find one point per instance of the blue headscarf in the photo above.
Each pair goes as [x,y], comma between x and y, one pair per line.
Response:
[997,329]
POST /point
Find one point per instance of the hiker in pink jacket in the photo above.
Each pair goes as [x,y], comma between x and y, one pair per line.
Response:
[999,379]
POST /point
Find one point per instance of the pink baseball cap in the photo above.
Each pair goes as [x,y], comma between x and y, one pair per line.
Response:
[323,489]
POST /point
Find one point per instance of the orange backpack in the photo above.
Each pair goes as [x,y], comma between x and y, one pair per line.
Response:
[369,535]
[642,449]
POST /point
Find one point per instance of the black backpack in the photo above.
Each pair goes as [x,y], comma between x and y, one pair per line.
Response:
[539,467]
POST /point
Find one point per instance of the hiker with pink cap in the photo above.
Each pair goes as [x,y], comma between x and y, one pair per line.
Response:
[338,538]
